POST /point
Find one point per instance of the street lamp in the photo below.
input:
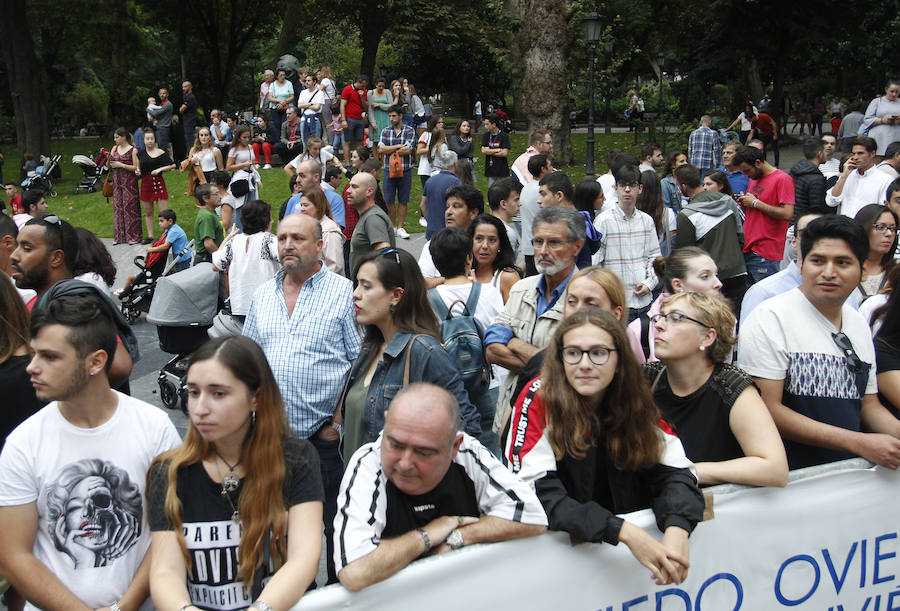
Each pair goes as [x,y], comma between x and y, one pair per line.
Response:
[592,31]
[660,61]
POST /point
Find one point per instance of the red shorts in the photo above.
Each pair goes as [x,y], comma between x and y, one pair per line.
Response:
[153,188]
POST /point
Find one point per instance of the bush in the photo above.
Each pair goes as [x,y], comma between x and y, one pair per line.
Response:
[87,103]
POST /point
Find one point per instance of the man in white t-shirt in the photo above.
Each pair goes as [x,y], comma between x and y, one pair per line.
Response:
[464,203]
[503,200]
[72,476]
[309,102]
[539,166]
[813,359]
[451,252]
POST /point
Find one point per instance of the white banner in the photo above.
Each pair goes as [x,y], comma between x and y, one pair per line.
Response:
[828,541]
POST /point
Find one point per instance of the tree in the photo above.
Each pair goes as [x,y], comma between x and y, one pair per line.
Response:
[26,88]
[544,44]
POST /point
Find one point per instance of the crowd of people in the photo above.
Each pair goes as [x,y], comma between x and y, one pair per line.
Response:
[567,355]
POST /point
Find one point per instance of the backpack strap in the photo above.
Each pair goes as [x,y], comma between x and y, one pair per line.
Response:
[645,335]
[474,294]
[437,303]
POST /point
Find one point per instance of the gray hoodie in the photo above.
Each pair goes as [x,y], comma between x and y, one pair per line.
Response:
[715,223]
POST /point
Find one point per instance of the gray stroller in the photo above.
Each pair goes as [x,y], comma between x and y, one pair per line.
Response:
[183,308]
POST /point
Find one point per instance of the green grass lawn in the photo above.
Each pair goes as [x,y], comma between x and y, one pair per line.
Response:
[92,211]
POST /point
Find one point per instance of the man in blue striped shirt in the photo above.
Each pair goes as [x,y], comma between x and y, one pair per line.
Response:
[304,321]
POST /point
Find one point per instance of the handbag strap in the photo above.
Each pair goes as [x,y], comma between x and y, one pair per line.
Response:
[408,359]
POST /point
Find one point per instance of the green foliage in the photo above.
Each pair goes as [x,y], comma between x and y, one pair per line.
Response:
[87,103]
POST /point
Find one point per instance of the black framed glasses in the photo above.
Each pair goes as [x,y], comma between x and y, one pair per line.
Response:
[676,317]
[599,355]
[854,363]
[882,228]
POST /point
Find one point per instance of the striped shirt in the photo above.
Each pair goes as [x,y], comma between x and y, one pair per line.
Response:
[362,502]
[310,350]
[627,248]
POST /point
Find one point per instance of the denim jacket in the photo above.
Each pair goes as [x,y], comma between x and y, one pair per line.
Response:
[430,363]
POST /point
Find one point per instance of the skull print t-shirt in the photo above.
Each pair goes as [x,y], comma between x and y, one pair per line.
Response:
[88,485]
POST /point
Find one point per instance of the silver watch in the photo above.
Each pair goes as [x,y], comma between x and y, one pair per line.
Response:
[455,539]
[261,606]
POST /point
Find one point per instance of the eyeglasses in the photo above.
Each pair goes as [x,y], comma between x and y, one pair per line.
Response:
[630,185]
[882,228]
[854,363]
[599,355]
[552,244]
[675,317]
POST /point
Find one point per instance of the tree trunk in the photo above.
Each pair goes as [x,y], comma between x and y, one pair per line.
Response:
[32,127]
[544,42]
[754,83]
[120,86]
[294,15]
[372,23]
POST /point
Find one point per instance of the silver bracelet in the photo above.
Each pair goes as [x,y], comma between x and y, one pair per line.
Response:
[261,606]
[115,607]
[426,539]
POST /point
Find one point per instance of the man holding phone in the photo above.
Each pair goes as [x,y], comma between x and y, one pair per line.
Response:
[861,182]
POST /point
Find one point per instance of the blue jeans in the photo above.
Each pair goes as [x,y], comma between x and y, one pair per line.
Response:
[310,126]
[332,467]
[180,267]
[759,267]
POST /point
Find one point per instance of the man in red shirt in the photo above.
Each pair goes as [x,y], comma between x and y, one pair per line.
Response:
[15,199]
[765,128]
[354,102]
[769,207]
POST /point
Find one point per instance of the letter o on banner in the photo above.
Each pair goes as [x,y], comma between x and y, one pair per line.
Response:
[738,589]
[798,558]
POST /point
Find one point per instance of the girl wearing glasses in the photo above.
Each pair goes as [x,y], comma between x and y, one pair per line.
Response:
[880,224]
[588,435]
[714,407]
[688,268]
[402,345]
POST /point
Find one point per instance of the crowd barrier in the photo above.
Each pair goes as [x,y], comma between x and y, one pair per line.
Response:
[828,541]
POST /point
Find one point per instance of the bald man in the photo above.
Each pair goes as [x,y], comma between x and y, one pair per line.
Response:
[374,230]
[424,487]
[188,110]
[304,321]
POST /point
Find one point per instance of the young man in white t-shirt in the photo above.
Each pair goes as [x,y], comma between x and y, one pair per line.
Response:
[72,476]
[812,356]
[503,199]
[451,252]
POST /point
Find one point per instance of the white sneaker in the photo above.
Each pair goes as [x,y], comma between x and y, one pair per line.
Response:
[402,233]
[423,222]
[268,166]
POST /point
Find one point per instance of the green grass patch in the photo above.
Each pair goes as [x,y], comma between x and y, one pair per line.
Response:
[92,211]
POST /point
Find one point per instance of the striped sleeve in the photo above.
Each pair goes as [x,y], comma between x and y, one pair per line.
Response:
[528,453]
[361,507]
[500,493]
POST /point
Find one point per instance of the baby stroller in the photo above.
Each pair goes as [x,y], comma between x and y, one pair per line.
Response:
[183,308]
[137,294]
[93,170]
[41,180]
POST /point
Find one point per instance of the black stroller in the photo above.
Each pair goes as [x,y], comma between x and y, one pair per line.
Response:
[93,170]
[42,177]
[136,296]
[183,308]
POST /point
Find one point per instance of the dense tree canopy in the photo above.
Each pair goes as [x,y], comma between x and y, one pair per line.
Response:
[74,62]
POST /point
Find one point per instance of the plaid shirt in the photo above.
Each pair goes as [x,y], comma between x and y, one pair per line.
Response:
[309,350]
[704,148]
[406,137]
[627,248]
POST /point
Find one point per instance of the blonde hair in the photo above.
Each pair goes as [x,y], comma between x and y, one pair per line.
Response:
[713,311]
[608,281]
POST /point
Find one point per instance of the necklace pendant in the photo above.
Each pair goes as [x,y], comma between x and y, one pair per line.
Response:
[236,516]
[230,482]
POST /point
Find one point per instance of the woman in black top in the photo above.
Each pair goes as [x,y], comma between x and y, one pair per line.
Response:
[241,486]
[887,348]
[460,142]
[19,400]
[714,407]
[152,162]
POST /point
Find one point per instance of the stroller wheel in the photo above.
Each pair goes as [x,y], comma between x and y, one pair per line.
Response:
[169,394]
[131,315]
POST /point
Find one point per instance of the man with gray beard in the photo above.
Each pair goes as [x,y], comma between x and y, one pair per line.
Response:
[534,305]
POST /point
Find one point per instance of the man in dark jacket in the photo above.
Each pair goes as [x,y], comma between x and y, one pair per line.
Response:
[809,182]
[713,221]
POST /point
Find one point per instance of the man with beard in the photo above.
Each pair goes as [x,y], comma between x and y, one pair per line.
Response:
[304,321]
[535,305]
[72,476]
[46,249]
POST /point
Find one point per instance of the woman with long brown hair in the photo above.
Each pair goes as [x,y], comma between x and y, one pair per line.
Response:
[241,473]
[589,436]
[15,354]
[126,200]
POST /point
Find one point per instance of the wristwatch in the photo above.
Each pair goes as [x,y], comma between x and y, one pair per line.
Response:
[455,539]
[337,427]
